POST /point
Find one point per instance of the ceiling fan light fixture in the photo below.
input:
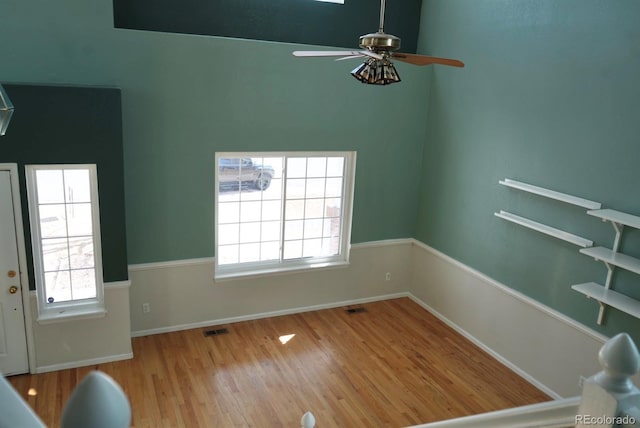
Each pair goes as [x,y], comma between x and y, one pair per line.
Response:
[6,110]
[376,72]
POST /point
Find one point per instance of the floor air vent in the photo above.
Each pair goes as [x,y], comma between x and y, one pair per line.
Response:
[356,310]
[216,332]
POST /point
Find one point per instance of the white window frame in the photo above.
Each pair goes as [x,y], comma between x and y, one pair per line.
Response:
[73,309]
[237,270]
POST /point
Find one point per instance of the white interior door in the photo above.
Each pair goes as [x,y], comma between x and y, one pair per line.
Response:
[13,340]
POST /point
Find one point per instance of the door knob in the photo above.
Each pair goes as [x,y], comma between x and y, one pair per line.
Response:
[11,273]
[13,289]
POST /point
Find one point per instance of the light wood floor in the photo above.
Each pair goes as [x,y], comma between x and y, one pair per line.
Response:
[392,366]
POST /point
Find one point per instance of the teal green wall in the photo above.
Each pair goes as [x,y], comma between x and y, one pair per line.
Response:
[186,97]
[86,129]
[550,95]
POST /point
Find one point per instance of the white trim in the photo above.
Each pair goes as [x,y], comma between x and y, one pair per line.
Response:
[526,376]
[114,285]
[48,311]
[383,243]
[211,260]
[22,261]
[270,314]
[238,268]
[117,284]
[84,363]
[171,264]
[558,413]
[280,270]
[510,291]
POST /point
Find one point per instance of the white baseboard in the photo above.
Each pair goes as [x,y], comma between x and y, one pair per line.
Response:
[526,376]
[83,363]
[251,317]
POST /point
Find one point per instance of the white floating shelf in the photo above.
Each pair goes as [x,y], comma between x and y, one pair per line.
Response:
[617,217]
[609,298]
[617,259]
[547,230]
[551,194]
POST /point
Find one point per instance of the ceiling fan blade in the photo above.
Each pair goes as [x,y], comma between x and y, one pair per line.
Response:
[348,57]
[425,60]
[327,53]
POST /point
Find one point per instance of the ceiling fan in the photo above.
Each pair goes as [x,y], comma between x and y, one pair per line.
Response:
[379,49]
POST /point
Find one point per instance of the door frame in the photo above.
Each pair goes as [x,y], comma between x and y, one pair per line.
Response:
[12,168]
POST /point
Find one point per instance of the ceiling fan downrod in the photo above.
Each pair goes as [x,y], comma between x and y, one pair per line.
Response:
[381,27]
[380,41]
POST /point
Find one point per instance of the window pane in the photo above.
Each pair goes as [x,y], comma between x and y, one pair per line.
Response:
[76,183]
[81,253]
[295,188]
[334,187]
[270,231]
[316,167]
[271,210]
[296,167]
[315,188]
[53,221]
[274,192]
[83,284]
[249,253]
[332,207]
[250,194]
[335,167]
[249,232]
[312,247]
[79,219]
[294,209]
[270,250]
[227,254]
[293,229]
[57,286]
[332,227]
[331,246]
[228,234]
[55,254]
[314,208]
[250,211]
[292,249]
[50,186]
[312,229]
[228,212]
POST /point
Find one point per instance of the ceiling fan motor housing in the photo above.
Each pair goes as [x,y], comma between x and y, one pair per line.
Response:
[380,42]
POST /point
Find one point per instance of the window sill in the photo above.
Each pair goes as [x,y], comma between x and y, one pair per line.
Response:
[58,315]
[277,270]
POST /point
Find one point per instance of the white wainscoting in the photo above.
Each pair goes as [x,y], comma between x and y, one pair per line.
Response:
[547,348]
[184,295]
[78,343]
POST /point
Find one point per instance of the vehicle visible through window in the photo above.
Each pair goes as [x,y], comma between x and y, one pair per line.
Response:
[238,172]
[282,211]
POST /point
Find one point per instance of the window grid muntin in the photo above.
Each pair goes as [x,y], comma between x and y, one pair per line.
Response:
[95,301]
[67,201]
[337,165]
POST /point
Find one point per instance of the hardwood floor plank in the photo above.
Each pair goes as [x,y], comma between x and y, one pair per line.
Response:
[391,366]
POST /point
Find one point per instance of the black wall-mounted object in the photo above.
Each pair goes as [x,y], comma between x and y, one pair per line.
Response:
[73,125]
[295,21]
